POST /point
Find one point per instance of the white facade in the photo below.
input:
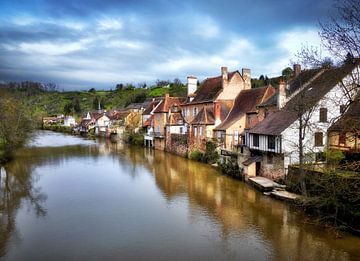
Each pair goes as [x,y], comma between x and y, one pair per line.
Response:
[69,121]
[287,143]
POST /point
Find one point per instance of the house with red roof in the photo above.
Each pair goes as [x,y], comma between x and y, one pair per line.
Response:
[207,107]
[243,115]
[161,116]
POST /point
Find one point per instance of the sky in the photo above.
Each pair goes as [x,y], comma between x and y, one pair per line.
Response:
[98,43]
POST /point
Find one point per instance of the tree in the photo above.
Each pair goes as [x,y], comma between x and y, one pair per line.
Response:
[76,105]
[341,33]
[119,87]
[96,103]
[287,73]
[68,107]
[92,90]
[16,126]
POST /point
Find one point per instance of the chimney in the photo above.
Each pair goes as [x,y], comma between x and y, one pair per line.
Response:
[297,69]
[217,112]
[191,85]
[224,73]
[282,94]
[246,74]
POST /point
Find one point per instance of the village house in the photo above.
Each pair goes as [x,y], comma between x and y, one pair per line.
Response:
[274,142]
[148,122]
[344,134]
[209,105]
[69,121]
[243,115]
[161,118]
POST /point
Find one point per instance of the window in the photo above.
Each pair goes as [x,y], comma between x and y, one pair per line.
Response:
[342,108]
[319,139]
[271,142]
[270,159]
[255,140]
[342,138]
[236,137]
[158,117]
[195,131]
[181,130]
[195,111]
[200,131]
[323,115]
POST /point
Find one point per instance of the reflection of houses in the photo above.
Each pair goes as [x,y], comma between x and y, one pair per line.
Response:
[274,141]
[209,105]
[344,134]
[161,118]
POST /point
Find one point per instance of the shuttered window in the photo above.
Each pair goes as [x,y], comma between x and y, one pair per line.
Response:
[323,115]
[319,139]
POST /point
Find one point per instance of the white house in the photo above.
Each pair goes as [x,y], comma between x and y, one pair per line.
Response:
[319,96]
[69,121]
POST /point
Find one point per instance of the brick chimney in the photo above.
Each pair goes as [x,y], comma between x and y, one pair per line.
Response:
[191,85]
[297,69]
[224,74]
[246,74]
[282,94]
[217,112]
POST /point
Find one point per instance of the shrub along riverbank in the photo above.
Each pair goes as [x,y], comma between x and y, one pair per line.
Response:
[333,197]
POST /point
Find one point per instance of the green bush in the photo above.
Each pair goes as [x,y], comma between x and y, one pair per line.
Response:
[135,139]
[231,167]
[196,155]
[211,155]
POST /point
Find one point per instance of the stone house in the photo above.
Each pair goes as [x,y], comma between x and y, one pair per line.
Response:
[207,106]
[161,119]
[176,132]
[274,142]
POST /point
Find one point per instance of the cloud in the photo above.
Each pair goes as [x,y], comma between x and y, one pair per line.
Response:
[49,48]
[104,42]
[110,24]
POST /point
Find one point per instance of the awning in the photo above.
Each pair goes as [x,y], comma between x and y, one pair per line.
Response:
[252,160]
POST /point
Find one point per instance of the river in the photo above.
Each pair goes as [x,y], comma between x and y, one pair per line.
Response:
[68,198]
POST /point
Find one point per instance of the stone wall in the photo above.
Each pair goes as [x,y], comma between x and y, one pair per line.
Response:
[272,169]
[177,144]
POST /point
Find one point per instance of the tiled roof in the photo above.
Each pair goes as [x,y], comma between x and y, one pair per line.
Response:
[118,114]
[210,89]
[350,120]
[293,86]
[277,122]
[167,103]
[151,106]
[245,102]
[205,116]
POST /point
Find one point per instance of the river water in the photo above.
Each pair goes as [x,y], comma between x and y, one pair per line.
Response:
[67,198]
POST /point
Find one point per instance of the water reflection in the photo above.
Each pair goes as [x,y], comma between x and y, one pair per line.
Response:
[248,224]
